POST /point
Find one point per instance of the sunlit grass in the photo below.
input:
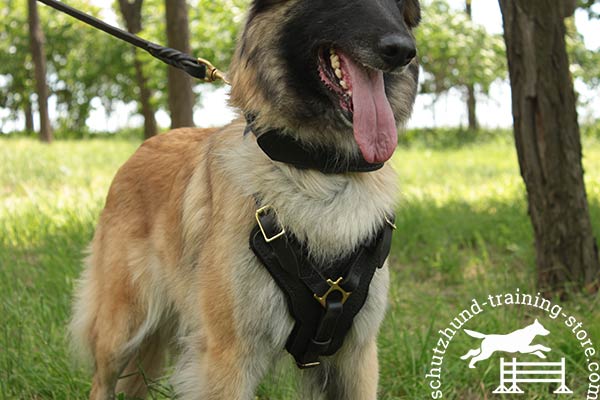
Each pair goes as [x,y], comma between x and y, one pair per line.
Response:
[463,232]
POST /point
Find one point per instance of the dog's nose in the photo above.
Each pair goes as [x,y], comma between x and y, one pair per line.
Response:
[397,50]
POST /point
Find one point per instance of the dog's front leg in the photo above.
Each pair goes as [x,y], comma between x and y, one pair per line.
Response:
[222,370]
[352,374]
[355,373]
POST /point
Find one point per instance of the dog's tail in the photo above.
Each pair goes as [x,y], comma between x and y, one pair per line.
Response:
[475,334]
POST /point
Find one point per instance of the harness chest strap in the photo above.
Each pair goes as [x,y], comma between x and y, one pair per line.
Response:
[323,300]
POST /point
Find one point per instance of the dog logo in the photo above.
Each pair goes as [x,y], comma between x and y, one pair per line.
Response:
[518,341]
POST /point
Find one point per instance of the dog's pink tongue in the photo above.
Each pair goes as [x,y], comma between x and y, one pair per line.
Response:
[374,123]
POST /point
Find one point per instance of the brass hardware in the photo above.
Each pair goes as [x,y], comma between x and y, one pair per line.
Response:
[266,210]
[390,223]
[309,365]
[333,287]
[212,73]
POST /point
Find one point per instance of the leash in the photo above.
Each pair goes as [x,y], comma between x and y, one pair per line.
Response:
[196,67]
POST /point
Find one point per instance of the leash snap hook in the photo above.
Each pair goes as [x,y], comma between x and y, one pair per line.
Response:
[333,287]
[212,73]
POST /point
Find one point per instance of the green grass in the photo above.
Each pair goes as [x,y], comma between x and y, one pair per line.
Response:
[463,233]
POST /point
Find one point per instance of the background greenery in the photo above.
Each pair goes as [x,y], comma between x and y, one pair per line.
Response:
[463,227]
[463,233]
[86,64]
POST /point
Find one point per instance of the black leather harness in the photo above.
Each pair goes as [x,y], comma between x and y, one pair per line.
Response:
[322,299]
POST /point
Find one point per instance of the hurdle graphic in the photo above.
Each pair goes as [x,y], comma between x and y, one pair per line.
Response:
[510,373]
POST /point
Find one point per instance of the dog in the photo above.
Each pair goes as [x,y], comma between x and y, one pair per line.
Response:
[517,341]
[170,269]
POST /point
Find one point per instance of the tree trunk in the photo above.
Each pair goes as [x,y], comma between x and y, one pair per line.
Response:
[132,14]
[28,111]
[36,37]
[472,108]
[150,127]
[181,96]
[471,101]
[548,144]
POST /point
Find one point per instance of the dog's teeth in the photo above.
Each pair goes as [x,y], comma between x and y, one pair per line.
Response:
[335,61]
[349,93]
[344,85]
[338,73]
[332,51]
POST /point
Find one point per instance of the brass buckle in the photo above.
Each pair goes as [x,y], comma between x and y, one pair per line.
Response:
[265,210]
[333,287]
[212,73]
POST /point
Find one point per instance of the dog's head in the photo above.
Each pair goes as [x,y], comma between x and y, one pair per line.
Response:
[539,328]
[335,72]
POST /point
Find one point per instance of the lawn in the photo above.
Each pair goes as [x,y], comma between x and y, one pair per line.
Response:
[463,233]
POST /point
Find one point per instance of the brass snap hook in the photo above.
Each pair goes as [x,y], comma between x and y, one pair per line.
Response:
[212,73]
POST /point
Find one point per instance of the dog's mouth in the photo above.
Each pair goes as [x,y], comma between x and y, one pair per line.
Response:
[360,93]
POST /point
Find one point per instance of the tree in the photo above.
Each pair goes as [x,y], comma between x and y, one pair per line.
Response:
[471,100]
[39,60]
[181,96]
[548,143]
[132,14]
[455,52]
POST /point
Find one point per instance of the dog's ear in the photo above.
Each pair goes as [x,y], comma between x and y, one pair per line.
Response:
[412,13]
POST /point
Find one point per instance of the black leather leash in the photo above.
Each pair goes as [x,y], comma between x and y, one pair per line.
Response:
[323,300]
[196,67]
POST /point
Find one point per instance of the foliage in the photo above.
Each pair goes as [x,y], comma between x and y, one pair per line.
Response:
[590,7]
[16,73]
[85,63]
[456,52]
[585,63]
[214,26]
[463,233]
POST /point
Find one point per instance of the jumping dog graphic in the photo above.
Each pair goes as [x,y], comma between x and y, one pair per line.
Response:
[518,341]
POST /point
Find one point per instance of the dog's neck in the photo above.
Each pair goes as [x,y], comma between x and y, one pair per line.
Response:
[283,147]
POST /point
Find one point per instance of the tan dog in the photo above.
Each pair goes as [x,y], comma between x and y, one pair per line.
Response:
[170,267]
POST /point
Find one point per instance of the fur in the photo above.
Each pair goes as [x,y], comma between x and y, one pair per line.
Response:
[170,268]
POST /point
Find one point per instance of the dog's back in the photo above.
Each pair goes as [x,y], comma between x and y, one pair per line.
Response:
[118,301]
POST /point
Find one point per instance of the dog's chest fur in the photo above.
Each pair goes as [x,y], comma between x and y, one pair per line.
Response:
[333,214]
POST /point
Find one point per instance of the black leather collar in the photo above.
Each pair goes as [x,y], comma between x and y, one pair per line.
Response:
[284,148]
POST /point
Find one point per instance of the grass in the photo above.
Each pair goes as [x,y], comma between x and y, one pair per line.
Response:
[463,233]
